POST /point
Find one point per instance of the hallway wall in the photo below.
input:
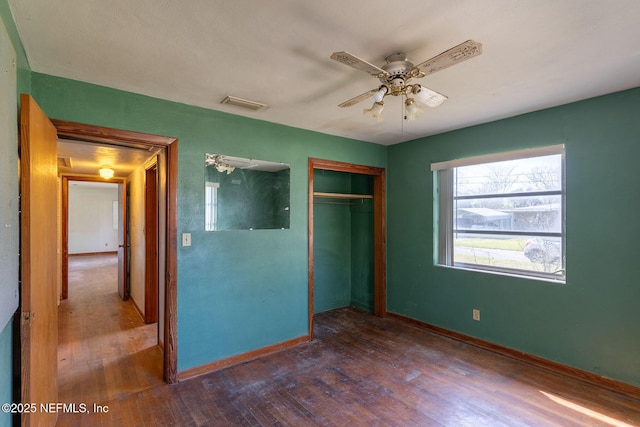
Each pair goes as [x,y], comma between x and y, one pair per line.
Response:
[9,223]
[135,182]
[14,79]
[91,218]
[137,232]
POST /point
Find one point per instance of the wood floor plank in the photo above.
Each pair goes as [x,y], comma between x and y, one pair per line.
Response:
[105,349]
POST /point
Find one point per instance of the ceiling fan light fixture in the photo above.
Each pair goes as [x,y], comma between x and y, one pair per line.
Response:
[379,95]
[225,168]
[219,162]
[397,73]
[106,173]
[412,109]
[375,111]
[428,97]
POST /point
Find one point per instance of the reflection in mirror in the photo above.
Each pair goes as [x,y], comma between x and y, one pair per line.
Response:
[245,194]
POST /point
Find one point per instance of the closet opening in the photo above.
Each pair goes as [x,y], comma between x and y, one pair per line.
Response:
[347,238]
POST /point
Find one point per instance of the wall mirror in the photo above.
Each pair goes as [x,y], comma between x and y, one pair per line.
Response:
[245,194]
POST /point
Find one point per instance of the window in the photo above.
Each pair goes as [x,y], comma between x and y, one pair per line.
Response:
[210,206]
[503,213]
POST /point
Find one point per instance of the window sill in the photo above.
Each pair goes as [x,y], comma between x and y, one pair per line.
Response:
[514,274]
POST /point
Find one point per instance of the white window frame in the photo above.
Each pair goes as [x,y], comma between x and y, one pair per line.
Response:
[444,211]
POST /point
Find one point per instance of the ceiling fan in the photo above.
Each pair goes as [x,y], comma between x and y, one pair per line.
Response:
[396,74]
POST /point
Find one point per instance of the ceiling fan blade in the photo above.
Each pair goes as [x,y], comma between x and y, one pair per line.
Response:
[453,56]
[357,63]
[359,98]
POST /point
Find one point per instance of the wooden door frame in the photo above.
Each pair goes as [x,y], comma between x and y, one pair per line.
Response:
[379,230]
[100,134]
[124,253]
[64,218]
[151,243]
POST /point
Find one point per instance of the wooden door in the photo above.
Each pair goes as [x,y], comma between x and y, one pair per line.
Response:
[151,245]
[38,262]
[123,243]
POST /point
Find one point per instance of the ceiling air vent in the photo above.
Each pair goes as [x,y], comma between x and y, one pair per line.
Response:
[244,103]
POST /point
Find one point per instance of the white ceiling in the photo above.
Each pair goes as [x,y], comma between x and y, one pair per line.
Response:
[85,158]
[108,186]
[536,54]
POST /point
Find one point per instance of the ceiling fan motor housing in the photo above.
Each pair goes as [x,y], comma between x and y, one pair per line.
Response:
[399,70]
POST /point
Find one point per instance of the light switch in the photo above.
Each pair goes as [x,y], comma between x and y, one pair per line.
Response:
[186,239]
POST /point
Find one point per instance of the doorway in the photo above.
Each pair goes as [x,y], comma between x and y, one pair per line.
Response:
[88,236]
[166,180]
[40,247]
[104,328]
[379,227]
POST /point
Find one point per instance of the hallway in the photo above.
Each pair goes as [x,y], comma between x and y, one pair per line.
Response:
[105,350]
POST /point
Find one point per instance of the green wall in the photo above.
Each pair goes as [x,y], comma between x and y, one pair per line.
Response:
[6,370]
[9,202]
[237,290]
[362,278]
[15,79]
[331,243]
[22,64]
[592,322]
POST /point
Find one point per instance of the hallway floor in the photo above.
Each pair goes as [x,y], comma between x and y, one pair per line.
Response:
[105,350]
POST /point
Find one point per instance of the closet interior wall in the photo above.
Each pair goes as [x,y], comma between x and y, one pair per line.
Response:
[343,241]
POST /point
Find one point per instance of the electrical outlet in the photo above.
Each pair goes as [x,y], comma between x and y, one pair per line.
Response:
[476,314]
[186,239]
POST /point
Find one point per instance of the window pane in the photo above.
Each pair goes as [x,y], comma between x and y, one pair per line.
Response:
[528,253]
[210,206]
[513,176]
[503,216]
[530,213]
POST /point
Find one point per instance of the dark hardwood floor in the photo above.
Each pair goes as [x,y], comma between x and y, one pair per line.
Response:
[360,371]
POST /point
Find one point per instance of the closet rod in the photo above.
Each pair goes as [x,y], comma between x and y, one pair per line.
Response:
[342,195]
[345,203]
